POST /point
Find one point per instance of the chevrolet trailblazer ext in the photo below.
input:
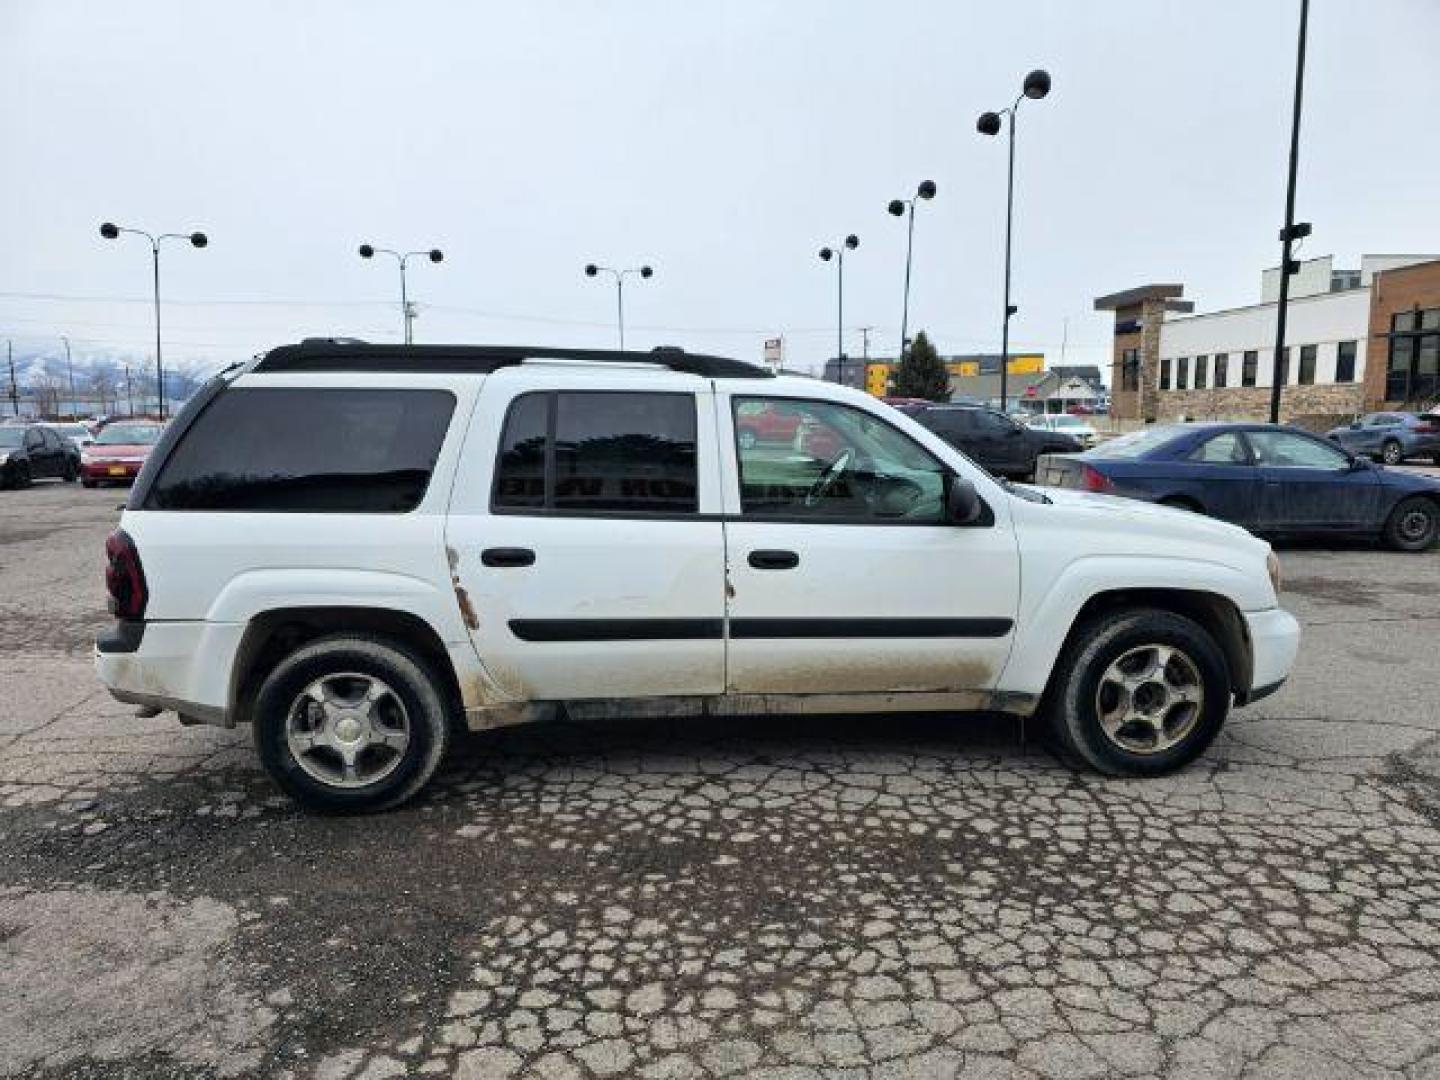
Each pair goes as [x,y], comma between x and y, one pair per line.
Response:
[357,548]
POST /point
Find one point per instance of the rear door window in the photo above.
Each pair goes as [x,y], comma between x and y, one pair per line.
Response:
[598,451]
[1225,449]
[307,450]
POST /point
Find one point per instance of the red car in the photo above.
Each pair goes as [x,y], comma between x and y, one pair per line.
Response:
[757,422]
[118,452]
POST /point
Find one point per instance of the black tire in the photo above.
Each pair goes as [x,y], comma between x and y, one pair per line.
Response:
[71,473]
[23,479]
[1073,699]
[1436,458]
[1391,452]
[413,683]
[87,483]
[1414,524]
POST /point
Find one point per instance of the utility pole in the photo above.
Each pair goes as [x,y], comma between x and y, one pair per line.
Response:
[70,373]
[1291,232]
[129,391]
[14,386]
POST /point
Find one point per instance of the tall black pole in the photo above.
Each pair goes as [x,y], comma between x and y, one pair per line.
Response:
[1009,217]
[905,308]
[1287,235]
[620,306]
[14,386]
[159,366]
[840,316]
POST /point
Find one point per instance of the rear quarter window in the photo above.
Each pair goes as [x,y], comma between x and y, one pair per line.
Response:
[307,450]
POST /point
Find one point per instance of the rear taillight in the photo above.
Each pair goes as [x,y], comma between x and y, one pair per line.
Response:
[1427,427]
[125,577]
[1092,479]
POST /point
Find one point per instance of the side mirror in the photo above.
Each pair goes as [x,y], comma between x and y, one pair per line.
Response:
[1359,464]
[1354,425]
[962,502]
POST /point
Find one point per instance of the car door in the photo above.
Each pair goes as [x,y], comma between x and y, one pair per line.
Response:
[1220,474]
[41,464]
[1011,447]
[1309,485]
[844,575]
[56,449]
[587,542]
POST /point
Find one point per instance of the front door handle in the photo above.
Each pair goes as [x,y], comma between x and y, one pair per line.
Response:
[774,560]
[508,556]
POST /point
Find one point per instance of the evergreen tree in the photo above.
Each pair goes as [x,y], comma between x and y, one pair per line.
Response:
[922,374]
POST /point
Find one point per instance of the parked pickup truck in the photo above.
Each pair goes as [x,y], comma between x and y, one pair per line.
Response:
[358,549]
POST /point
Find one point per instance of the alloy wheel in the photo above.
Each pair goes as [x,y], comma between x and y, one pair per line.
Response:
[347,730]
[1150,699]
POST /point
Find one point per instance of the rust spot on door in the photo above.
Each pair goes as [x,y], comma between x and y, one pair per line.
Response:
[462,598]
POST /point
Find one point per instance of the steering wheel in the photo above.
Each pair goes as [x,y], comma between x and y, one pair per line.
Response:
[826,480]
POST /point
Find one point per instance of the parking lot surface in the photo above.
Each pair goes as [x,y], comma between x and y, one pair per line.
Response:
[874,897]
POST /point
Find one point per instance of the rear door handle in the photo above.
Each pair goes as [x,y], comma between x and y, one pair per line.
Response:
[774,560]
[507,557]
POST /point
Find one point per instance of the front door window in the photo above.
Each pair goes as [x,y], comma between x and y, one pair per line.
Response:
[841,464]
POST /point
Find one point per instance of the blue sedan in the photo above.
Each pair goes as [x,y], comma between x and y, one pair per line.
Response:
[1271,480]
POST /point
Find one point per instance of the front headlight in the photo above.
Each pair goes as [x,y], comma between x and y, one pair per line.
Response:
[1272,567]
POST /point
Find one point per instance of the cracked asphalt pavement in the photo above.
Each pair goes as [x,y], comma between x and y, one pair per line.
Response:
[780,899]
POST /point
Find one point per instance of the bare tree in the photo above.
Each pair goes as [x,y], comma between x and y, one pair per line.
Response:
[102,385]
[46,390]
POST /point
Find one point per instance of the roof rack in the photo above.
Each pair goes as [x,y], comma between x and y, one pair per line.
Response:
[348,354]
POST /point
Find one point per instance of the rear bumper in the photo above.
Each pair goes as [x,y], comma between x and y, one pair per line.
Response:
[1274,643]
[120,470]
[178,666]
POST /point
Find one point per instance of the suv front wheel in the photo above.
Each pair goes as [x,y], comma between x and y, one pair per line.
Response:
[1139,693]
[350,724]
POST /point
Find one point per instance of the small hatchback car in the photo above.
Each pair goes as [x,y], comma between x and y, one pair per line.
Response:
[357,549]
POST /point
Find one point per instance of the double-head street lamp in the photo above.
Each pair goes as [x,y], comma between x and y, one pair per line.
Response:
[926,191]
[435,255]
[111,231]
[838,254]
[1036,86]
[647,272]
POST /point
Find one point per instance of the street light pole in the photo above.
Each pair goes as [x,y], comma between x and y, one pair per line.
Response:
[70,375]
[646,272]
[837,253]
[435,255]
[14,386]
[897,207]
[1291,232]
[111,231]
[1035,87]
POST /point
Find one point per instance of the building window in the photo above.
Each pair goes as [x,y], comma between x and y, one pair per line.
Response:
[1182,373]
[1222,365]
[1345,362]
[1307,364]
[1201,364]
[1412,373]
[1165,373]
[1249,367]
[1130,369]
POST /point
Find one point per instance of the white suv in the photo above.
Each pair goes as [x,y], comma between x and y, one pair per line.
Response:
[358,548]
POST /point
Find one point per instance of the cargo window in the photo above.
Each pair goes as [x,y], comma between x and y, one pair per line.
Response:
[307,450]
[598,451]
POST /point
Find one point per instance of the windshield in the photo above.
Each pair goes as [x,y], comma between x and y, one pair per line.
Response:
[73,430]
[1138,443]
[129,435]
[11,437]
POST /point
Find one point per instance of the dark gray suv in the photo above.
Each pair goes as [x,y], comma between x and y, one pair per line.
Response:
[991,439]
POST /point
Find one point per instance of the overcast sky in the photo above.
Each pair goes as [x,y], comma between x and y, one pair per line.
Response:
[723,143]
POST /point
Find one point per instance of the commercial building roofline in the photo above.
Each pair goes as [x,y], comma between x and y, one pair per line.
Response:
[1139,294]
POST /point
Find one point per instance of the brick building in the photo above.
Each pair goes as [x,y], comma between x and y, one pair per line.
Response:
[1356,340]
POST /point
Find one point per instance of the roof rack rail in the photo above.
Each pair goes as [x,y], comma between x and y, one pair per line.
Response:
[349,354]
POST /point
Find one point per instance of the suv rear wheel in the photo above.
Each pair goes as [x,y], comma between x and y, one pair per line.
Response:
[1414,525]
[351,724]
[1139,693]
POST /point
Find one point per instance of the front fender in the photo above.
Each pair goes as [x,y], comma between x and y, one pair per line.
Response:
[1046,619]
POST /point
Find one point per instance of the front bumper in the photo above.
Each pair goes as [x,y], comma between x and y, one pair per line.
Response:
[182,667]
[1274,643]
